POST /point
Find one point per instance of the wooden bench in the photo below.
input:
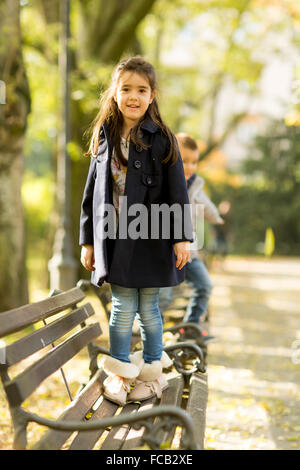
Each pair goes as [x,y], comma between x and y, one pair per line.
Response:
[95,419]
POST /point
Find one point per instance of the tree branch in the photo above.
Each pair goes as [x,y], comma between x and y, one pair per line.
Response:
[218,142]
[124,29]
[50,10]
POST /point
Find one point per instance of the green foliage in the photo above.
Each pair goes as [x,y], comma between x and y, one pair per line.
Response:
[270,195]
[221,45]
[198,48]
[75,152]
[276,159]
[38,202]
[37,195]
[40,143]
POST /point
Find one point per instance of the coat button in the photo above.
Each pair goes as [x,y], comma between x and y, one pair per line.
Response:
[138,148]
[149,180]
[137,164]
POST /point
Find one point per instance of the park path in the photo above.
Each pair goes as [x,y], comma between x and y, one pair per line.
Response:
[254,384]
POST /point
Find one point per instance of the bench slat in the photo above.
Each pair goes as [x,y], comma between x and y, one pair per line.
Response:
[41,338]
[87,440]
[19,318]
[76,411]
[116,435]
[171,396]
[25,383]
[196,406]
[133,438]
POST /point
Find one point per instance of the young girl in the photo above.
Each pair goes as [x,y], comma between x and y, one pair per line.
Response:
[135,165]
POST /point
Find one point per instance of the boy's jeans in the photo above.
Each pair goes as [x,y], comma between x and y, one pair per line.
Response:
[126,304]
[197,276]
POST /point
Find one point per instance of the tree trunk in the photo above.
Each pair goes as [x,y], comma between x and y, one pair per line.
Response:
[107,29]
[13,119]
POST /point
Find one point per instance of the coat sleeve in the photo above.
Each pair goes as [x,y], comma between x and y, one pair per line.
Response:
[86,216]
[211,213]
[181,222]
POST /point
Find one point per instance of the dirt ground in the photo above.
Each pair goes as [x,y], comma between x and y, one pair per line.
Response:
[254,365]
[253,369]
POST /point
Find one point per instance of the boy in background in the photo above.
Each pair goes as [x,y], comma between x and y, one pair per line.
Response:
[196,273]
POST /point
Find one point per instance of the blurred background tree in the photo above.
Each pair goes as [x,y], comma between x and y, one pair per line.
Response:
[13,119]
[101,32]
[270,193]
[273,186]
[229,69]
[211,59]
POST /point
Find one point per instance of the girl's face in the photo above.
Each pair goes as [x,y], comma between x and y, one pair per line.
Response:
[133,95]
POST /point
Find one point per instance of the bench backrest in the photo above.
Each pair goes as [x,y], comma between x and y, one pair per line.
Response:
[103,294]
[23,385]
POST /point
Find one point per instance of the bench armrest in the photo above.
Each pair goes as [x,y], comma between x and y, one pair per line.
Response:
[180,352]
[170,416]
[184,326]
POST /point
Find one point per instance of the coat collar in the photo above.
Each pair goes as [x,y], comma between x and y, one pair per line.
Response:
[149,125]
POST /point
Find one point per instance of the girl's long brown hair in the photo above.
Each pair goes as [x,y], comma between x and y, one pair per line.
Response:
[112,116]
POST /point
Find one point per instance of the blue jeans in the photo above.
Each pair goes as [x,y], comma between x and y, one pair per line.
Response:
[126,304]
[196,275]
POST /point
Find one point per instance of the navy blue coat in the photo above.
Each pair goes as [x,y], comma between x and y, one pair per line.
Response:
[140,262]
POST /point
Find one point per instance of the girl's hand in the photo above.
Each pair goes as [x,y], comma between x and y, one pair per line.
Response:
[182,253]
[87,257]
